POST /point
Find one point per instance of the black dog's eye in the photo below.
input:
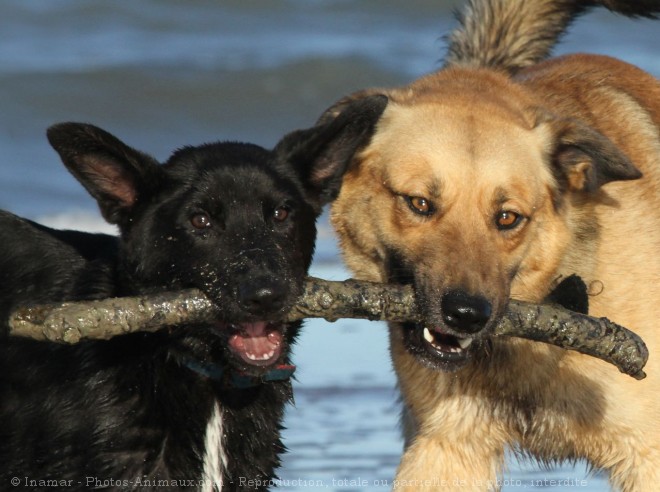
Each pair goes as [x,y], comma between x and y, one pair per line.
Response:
[200,221]
[280,214]
[420,205]
[506,220]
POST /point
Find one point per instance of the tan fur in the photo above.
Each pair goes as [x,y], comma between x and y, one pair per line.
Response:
[475,141]
[510,35]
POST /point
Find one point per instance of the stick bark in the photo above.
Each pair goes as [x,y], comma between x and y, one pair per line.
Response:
[75,321]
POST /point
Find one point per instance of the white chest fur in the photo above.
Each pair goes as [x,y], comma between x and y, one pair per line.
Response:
[215,459]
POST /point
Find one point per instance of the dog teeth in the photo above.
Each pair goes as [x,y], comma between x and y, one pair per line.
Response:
[465,342]
[254,357]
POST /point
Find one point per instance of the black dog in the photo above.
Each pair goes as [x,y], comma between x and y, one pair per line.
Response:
[165,410]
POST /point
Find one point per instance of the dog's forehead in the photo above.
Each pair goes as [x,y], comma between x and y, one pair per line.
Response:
[218,155]
[247,188]
[424,145]
[231,170]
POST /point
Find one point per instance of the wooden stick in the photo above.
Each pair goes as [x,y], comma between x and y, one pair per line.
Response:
[76,321]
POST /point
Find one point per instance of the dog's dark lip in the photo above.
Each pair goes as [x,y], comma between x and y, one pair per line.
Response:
[438,349]
[256,343]
[445,345]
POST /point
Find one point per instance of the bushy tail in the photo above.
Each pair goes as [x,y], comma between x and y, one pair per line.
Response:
[512,34]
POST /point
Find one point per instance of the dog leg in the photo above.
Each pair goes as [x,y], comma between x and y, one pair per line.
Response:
[440,462]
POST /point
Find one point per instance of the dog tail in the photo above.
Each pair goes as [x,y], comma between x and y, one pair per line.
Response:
[512,34]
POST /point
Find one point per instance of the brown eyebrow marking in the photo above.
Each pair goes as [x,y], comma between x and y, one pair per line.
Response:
[501,196]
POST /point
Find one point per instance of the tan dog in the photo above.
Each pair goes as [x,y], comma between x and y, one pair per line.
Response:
[488,181]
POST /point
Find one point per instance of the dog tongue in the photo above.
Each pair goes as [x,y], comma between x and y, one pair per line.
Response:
[256,344]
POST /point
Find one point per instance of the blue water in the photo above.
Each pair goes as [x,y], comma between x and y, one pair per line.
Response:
[164,73]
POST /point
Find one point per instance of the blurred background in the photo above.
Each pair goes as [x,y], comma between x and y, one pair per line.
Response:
[160,74]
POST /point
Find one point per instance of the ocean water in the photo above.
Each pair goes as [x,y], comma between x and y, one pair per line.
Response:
[161,74]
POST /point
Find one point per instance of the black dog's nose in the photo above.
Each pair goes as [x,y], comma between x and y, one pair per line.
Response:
[465,313]
[261,297]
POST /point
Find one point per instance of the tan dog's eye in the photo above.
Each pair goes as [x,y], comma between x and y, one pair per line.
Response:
[507,219]
[419,205]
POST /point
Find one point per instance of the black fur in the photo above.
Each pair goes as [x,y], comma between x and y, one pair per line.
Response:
[571,293]
[127,413]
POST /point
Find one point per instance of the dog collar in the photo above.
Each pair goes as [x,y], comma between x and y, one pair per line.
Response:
[237,379]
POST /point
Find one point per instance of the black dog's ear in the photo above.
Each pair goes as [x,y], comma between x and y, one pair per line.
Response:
[321,154]
[584,159]
[571,293]
[116,175]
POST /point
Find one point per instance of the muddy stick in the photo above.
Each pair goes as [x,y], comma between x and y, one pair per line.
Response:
[75,321]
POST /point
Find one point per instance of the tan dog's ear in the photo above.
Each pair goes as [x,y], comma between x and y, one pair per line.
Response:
[584,159]
[321,154]
[346,102]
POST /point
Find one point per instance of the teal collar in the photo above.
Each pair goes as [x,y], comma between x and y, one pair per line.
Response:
[239,380]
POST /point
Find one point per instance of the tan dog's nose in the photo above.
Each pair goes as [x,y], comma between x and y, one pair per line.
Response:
[464,312]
